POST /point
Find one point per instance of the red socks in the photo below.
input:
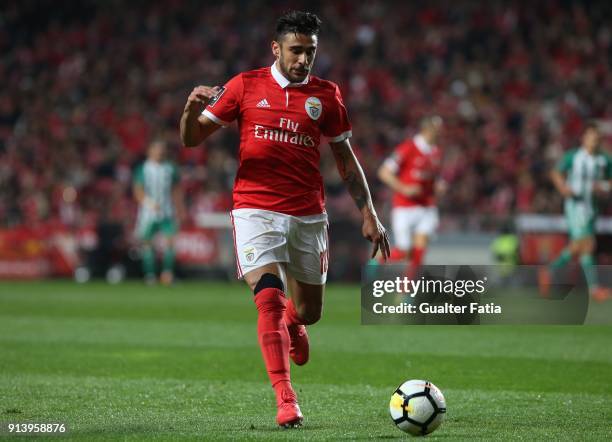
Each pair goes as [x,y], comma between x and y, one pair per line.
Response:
[273,336]
[291,317]
[396,255]
[416,259]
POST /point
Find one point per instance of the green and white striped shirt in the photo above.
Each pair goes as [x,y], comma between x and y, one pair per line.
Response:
[157,180]
[582,171]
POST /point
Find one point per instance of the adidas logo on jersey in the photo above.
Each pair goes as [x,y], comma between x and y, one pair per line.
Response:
[263,103]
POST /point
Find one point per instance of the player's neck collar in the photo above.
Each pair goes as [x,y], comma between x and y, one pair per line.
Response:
[282,81]
[422,144]
[586,152]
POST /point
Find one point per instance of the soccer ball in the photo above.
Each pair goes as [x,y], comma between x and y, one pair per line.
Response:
[417,407]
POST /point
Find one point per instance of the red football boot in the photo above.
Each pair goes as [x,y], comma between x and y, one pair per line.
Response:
[544,281]
[600,294]
[299,349]
[289,414]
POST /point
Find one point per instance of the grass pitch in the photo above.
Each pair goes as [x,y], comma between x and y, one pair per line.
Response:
[131,362]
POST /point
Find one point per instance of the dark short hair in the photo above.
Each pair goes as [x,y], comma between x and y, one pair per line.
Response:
[430,120]
[591,124]
[158,140]
[298,22]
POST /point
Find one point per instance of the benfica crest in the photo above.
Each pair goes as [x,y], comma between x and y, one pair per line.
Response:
[313,107]
[249,254]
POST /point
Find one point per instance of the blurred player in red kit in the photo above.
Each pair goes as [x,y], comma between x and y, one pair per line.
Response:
[412,173]
[279,218]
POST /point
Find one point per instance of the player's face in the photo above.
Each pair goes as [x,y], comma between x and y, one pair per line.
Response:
[432,132]
[295,54]
[590,139]
[157,151]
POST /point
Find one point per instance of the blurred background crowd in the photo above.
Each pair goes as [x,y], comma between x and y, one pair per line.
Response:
[86,87]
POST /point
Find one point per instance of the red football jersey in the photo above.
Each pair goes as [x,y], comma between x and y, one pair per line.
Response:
[280,125]
[416,162]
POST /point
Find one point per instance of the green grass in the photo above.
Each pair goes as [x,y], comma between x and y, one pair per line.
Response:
[135,363]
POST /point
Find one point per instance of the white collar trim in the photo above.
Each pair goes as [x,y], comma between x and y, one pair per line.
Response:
[586,152]
[423,145]
[282,81]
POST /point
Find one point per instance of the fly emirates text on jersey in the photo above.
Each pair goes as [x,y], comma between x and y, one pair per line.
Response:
[286,133]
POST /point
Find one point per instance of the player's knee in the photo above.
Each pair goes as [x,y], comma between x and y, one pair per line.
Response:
[420,242]
[168,242]
[309,314]
[575,248]
[584,249]
[268,281]
[312,318]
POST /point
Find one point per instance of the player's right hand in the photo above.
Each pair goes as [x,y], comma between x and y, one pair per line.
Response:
[374,232]
[199,98]
[411,189]
[602,188]
[566,191]
[150,204]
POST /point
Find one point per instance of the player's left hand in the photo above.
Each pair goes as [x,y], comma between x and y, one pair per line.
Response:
[602,188]
[374,232]
[441,187]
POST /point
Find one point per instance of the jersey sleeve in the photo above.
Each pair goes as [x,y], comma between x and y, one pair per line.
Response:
[336,125]
[395,160]
[565,163]
[138,177]
[224,107]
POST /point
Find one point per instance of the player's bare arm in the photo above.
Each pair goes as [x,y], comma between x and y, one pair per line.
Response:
[352,174]
[602,188]
[441,187]
[387,176]
[141,197]
[559,182]
[195,127]
[139,194]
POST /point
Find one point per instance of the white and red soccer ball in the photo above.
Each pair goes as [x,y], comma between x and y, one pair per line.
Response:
[417,407]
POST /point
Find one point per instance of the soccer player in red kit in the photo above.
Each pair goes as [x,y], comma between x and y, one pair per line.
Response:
[412,172]
[279,218]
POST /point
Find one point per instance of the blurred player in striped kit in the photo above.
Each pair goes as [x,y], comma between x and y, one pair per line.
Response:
[160,201]
[582,176]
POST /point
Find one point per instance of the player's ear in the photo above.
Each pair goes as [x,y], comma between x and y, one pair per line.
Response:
[276,49]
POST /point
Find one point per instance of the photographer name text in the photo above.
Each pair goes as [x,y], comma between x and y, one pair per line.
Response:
[436,309]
